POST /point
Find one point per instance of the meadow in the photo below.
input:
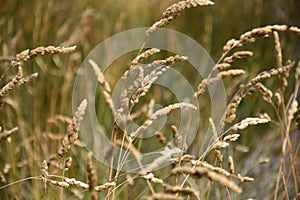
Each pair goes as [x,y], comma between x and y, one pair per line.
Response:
[247,150]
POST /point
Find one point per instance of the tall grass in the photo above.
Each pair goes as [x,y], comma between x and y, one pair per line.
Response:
[254,146]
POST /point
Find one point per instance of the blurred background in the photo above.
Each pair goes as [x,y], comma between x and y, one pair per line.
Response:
[29,24]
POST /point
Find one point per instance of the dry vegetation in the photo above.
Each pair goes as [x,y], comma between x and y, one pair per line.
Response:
[254,147]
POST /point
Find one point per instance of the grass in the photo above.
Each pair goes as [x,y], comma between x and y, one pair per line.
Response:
[252,150]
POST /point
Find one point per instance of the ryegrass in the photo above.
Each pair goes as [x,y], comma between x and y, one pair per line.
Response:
[34,159]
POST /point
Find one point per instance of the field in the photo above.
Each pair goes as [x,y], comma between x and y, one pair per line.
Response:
[142,99]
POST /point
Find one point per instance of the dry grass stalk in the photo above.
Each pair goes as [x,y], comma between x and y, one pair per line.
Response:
[213,128]
[168,61]
[245,178]
[126,95]
[219,144]
[105,186]
[173,189]
[7,133]
[16,81]
[62,184]
[92,179]
[73,181]
[68,163]
[104,84]
[268,74]
[222,66]
[267,94]
[277,49]
[278,98]
[162,22]
[177,138]
[160,66]
[232,137]
[150,177]
[265,31]
[238,55]
[230,165]
[129,147]
[201,88]
[292,110]
[160,113]
[29,54]
[73,129]
[252,35]
[174,11]
[230,113]
[183,158]
[211,80]
[283,79]
[177,8]
[143,56]
[26,79]
[11,85]
[219,155]
[44,170]
[249,121]
[298,119]
[166,155]
[164,196]
[232,72]
[200,172]
[211,167]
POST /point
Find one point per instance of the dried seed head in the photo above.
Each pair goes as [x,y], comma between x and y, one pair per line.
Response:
[201,88]
[222,66]
[249,121]
[29,54]
[232,137]
[73,181]
[92,179]
[104,84]
[164,196]
[44,170]
[292,110]
[277,49]
[159,113]
[238,55]
[200,172]
[245,178]
[219,155]
[267,74]
[68,163]
[231,165]
[144,56]
[177,8]
[231,72]
[162,22]
[230,113]
[210,167]
[298,119]
[150,177]
[105,186]
[62,184]
[73,129]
